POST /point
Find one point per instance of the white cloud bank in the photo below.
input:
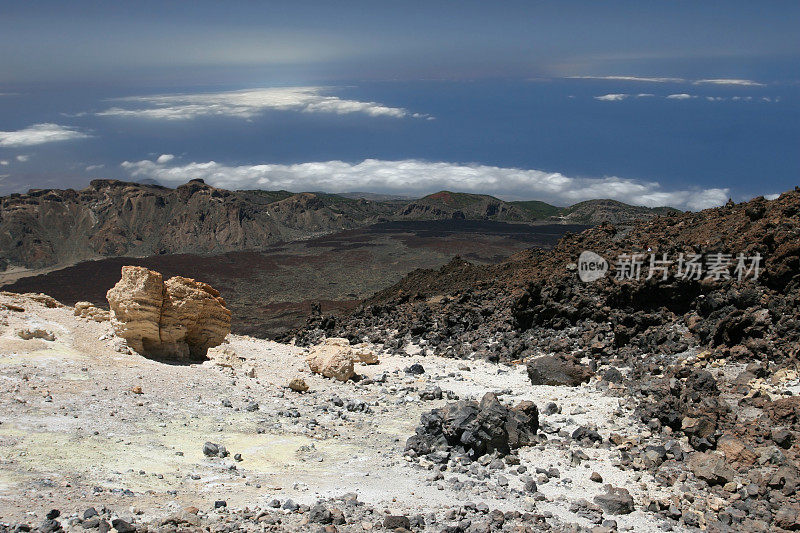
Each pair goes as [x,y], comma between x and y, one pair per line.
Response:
[730,81]
[639,79]
[618,97]
[250,103]
[629,78]
[412,176]
[39,134]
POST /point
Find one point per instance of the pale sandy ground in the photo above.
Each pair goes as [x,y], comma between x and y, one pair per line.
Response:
[73,434]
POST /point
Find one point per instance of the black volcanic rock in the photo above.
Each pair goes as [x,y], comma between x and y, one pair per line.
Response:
[552,370]
[476,428]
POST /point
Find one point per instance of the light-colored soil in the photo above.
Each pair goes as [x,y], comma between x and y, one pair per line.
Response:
[75,432]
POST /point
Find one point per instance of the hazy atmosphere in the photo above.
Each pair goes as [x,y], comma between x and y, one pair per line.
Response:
[680,104]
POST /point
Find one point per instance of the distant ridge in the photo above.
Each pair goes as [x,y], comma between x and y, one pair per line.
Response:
[48,228]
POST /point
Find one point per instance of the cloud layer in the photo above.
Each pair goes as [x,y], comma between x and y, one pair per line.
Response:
[618,97]
[413,176]
[716,81]
[39,134]
[248,104]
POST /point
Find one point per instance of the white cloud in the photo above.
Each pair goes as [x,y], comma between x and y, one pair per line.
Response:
[612,97]
[629,78]
[165,158]
[713,81]
[772,196]
[23,158]
[730,81]
[250,103]
[413,176]
[617,97]
[3,162]
[91,168]
[39,134]
[684,96]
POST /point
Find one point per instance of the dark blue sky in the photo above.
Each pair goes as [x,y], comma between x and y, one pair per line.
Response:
[649,102]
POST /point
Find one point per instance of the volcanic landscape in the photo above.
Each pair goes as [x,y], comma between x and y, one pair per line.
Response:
[491,391]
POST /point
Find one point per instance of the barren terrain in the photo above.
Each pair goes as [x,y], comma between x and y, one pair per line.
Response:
[84,425]
[273,290]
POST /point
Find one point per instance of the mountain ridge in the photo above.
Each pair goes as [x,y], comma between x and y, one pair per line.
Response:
[47,228]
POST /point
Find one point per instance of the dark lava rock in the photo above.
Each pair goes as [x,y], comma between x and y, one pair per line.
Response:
[788,518]
[52,514]
[290,505]
[89,513]
[613,375]
[415,369]
[476,428]
[319,514]
[433,393]
[91,523]
[122,526]
[551,409]
[711,467]
[584,433]
[219,504]
[214,450]
[554,370]
[782,437]
[616,500]
[396,521]
[49,526]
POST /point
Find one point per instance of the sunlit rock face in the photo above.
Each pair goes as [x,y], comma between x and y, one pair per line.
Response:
[177,319]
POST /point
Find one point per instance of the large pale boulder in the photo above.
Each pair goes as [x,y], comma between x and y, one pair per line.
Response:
[177,319]
[334,358]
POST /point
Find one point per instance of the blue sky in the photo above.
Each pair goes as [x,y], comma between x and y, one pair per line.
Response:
[685,103]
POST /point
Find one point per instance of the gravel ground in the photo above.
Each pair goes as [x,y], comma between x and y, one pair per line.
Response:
[84,424]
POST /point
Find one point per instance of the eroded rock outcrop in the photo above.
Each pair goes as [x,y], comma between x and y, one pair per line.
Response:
[178,319]
[89,311]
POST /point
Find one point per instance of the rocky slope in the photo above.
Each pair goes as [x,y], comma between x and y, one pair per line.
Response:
[54,228]
[593,212]
[710,362]
[491,309]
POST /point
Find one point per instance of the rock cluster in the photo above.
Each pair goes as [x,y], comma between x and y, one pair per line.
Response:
[475,429]
[177,319]
[335,358]
[36,333]
[89,311]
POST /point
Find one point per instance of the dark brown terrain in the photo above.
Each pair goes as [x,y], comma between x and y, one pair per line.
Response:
[273,290]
